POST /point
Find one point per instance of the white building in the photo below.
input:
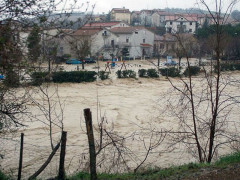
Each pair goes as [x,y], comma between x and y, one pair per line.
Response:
[120,14]
[180,24]
[146,17]
[158,18]
[138,40]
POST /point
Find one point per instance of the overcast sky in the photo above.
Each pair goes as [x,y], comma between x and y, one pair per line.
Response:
[106,5]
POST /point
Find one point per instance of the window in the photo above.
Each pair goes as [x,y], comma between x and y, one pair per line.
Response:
[181,23]
[61,50]
[112,43]
[190,23]
[144,40]
[136,32]
[161,46]
[170,22]
[169,30]
[190,30]
[127,40]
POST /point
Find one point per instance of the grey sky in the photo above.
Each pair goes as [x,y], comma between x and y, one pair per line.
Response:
[107,5]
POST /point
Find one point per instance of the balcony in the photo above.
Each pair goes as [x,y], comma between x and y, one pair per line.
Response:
[109,46]
[105,34]
[126,44]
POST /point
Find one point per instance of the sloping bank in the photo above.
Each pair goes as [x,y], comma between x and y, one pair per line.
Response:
[226,168]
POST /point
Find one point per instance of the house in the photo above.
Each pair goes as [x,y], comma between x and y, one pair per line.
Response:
[181,23]
[208,19]
[146,17]
[135,18]
[164,45]
[172,45]
[120,14]
[138,40]
[158,18]
[87,42]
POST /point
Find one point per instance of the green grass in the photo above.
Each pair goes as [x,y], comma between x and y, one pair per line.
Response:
[150,174]
[3,176]
[228,159]
[174,172]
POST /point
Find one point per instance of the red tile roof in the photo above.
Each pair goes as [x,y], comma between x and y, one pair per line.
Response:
[126,30]
[102,24]
[120,10]
[176,17]
[86,32]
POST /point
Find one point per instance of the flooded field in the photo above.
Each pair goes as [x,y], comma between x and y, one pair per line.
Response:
[131,108]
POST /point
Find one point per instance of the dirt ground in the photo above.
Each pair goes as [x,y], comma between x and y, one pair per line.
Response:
[128,105]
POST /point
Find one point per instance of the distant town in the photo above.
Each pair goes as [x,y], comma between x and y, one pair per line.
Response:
[140,34]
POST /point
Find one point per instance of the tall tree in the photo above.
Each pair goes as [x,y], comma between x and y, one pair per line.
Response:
[33,43]
[204,103]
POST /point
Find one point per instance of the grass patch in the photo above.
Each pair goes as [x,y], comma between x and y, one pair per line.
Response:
[174,172]
[3,176]
[150,174]
[228,159]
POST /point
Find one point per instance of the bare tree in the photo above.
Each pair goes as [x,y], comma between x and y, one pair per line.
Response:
[205,103]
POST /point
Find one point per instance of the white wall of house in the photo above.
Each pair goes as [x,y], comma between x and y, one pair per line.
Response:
[102,43]
[125,17]
[189,26]
[135,19]
[23,35]
[135,42]
[155,19]
[145,18]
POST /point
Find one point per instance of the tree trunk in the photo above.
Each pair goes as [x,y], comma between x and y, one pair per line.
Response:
[61,173]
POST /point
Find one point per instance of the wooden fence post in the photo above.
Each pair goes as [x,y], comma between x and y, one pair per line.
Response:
[61,173]
[20,158]
[92,152]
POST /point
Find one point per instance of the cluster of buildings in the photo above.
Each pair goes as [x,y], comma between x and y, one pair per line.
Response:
[107,39]
[172,22]
[131,31]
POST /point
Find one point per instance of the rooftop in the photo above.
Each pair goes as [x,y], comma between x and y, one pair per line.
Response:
[126,30]
[86,32]
[120,10]
[101,24]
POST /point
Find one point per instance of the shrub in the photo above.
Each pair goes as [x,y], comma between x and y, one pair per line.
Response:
[103,75]
[119,74]
[170,72]
[12,79]
[126,74]
[152,73]
[39,77]
[228,67]
[142,73]
[74,76]
[194,70]
[237,66]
